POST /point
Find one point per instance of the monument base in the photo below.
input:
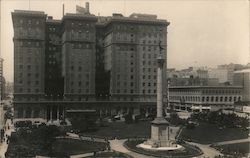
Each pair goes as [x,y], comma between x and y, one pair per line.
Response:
[160,133]
[160,137]
[147,146]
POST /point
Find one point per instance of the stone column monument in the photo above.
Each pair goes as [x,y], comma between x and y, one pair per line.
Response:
[160,126]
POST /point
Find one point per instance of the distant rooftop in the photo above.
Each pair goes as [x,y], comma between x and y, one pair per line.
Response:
[218,86]
[29,12]
[243,71]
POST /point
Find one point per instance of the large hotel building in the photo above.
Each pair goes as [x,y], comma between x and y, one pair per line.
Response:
[84,61]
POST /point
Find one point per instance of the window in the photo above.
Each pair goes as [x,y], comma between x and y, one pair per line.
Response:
[230,99]
[131,84]
[225,99]
[131,77]
[235,99]
[212,99]
[239,98]
[216,99]
[149,48]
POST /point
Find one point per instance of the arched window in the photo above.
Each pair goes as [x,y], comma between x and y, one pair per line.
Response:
[225,99]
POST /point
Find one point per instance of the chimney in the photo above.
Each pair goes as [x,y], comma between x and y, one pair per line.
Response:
[63,10]
[87,7]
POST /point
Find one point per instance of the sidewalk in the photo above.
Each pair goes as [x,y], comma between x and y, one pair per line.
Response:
[207,150]
[4,145]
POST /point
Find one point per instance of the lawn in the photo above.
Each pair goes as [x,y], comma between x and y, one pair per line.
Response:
[41,141]
[74,147]
[241,149]
[123,130]
[209,133]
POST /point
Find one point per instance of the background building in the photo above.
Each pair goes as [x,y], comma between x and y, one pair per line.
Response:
[224,72]
[204,98]
[85,62]
[242,78]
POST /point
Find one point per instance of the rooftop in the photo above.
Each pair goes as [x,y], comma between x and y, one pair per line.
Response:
[29,12]
[199,87]
[243,71]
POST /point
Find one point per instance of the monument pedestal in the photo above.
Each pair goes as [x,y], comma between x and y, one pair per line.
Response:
[160,133]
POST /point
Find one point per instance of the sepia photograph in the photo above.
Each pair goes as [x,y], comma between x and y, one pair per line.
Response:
[124,78]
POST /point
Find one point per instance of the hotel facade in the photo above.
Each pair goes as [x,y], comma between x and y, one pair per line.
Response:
[83,61]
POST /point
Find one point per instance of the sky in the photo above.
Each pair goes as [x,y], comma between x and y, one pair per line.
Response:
[201,32]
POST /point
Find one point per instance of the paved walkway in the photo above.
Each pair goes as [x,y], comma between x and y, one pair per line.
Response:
[117,145]
[207,150]
[4,145]
[233,141]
